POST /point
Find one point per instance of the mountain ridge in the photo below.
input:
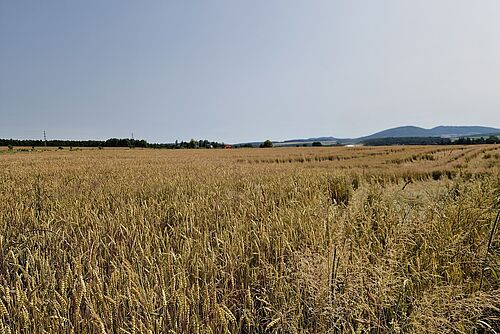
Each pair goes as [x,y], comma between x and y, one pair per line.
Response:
[443,131]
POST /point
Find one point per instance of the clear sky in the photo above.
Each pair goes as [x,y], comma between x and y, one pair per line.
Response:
[239,71]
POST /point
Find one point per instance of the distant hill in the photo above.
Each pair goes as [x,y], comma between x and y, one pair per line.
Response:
[311,139]
[438,131]
[398,132]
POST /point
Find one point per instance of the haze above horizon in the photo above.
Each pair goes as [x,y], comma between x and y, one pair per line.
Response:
[239,71]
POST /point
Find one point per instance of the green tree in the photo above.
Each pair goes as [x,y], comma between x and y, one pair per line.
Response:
[267,143]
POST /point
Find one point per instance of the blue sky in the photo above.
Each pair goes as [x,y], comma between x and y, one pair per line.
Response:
[238,71]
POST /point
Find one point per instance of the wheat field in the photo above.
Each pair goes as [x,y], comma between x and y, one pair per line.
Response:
[283,240]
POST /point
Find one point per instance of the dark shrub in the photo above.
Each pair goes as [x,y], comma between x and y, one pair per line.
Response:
[339,190]
[436,174]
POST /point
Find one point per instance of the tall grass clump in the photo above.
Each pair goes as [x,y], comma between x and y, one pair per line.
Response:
[339,189]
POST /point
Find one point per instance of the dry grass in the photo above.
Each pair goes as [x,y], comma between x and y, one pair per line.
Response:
[292,240]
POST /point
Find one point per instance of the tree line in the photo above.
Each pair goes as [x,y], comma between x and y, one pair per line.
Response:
[430,141]
[481,140]
[112,142]
[193,143]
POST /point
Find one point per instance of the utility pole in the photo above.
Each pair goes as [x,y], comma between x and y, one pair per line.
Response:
[44,138]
